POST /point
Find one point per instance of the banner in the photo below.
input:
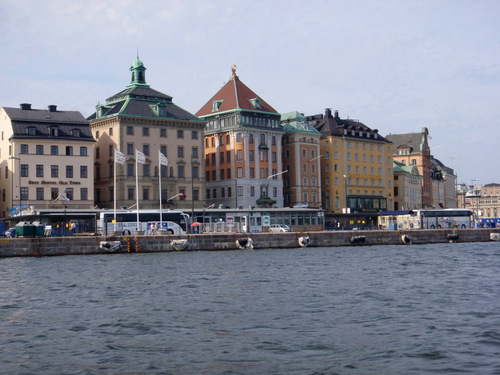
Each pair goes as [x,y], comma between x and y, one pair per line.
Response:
[140,157]
[163,159]
[119,157]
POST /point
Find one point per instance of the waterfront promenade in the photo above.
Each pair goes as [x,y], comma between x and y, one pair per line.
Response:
[81,245]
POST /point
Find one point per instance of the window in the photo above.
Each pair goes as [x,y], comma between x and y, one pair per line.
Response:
[97,153]
[39,149]
[31,131]
[69,193]
[251,155]
[54,171]
[250,139]
[180,133]
[69,150]
[240,191]
[145,194]
[130,130]
[24,170]
[180,171]
[145,170]
[54,193]
[83,151]
[111,131]
[130,149]
[239,138]
[54,131]
[239,155]
[130,194]
[111,151]
[145,131]
[39,194]
[24,149]
[194,134]
[69,171]
[145,149]
[194,152]
[130,170]
[240,172]
[163,132]
[83,171]
[76,133]
[54,150]
[24,193]
[39,170]
[84,194]
[195,171]
[180,151]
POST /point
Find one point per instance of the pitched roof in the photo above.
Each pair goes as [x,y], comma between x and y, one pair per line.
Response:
[416,141]
[140,100]
[234,95]
[330,125]
[42,120]
[294,122]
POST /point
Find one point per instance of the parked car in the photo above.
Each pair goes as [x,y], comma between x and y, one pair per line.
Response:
[279,228]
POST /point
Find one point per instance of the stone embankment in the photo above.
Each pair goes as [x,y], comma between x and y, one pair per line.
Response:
[80,245]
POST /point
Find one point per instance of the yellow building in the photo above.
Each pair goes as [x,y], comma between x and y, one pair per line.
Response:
[357,166]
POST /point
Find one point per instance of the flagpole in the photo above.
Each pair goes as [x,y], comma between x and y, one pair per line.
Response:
[137,187]
[159,182]
[114,194]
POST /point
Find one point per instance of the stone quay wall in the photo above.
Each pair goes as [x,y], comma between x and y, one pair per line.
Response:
[80,245]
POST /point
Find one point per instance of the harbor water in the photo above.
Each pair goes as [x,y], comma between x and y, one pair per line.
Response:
[343,310]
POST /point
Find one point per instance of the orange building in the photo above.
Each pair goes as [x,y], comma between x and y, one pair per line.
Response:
[242,142]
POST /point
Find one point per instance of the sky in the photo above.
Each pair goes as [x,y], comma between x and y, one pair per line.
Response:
[396,66]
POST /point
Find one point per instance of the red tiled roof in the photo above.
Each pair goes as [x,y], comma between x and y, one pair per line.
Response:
[234,95]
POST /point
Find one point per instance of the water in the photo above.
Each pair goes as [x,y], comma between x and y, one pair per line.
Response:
[362,310]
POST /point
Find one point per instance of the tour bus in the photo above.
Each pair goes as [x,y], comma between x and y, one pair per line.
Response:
[172,222]
[426,219]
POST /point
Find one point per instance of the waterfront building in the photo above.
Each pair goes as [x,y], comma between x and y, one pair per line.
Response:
[46,158]
[243,150]
[357,174]
[413,149]
[301,160]
[407,187]
[484,200]
[143,119]
[443,185]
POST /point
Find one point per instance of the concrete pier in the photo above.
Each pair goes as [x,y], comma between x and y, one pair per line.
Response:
[75,245]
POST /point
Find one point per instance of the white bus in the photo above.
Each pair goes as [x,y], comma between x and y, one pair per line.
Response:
[426,219]
[172,222]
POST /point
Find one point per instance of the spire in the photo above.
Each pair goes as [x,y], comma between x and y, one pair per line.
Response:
[233,70]
[138,72]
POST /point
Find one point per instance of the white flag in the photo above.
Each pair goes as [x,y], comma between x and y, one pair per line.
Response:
[119,157]
[163,159]
[140,157]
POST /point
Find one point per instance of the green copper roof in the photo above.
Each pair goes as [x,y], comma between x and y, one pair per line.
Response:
[293,122]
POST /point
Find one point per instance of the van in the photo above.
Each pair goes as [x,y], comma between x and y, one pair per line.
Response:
[279,228]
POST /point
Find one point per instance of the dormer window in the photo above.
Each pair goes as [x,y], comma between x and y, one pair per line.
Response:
[54,131]
[31,130]
[76,133]
[216,104]
[256,103]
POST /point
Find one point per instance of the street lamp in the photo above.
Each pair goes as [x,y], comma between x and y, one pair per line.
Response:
[12,189]
[476,194]
[345,191]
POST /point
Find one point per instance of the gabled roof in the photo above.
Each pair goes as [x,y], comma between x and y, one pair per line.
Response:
[295,122]
[330,125]
[399,167]
[234,95]
[415,141]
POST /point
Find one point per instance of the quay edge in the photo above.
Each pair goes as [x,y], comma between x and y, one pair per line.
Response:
[86,245]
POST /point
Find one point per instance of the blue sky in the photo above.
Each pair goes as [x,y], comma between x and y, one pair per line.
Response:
[396,66]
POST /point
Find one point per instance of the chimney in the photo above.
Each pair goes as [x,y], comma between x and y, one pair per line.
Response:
[25,106]
[328,112]
[336,114]
[52,108]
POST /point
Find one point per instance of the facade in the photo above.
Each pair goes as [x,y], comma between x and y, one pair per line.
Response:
[302,162]
[356,173]
[46,158]
[443,185]
[407,187]
[143,119]
[413,149]
[484,200]
[243,149]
